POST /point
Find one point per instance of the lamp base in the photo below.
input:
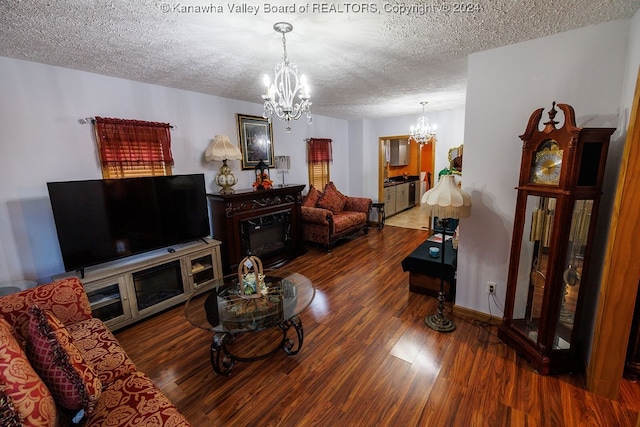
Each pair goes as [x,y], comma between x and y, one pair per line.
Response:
[439,322]
[226,190]
[226,179]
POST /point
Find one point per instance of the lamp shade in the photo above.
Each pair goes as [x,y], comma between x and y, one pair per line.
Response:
[446,200]
[221,148]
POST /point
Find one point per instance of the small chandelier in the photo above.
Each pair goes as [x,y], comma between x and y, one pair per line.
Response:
[280,95]
[423,133]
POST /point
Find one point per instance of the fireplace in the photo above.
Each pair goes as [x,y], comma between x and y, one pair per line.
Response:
[265,223]
[267,235]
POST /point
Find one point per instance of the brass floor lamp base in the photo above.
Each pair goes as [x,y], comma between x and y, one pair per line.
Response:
[439,322]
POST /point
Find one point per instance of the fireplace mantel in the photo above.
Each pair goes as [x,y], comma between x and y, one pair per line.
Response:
[244,219]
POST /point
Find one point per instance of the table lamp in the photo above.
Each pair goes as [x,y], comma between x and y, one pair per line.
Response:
[445,201]
[283,164]
[221,149]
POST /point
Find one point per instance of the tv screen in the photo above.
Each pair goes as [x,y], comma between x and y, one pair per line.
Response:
[107,219]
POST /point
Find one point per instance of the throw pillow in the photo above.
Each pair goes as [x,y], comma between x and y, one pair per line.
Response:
[29,396]
[331,200]
[331,185]
[50,349]
[312,197]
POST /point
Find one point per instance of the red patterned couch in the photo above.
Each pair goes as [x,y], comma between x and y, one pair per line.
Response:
[58,364]
[328,216]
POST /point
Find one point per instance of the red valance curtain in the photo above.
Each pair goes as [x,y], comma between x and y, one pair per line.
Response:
[319,150]
[133,143]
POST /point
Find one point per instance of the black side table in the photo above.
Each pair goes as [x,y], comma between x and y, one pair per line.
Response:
[381,215]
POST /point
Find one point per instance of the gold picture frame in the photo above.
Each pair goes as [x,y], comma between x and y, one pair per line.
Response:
[255,136]
[455,160]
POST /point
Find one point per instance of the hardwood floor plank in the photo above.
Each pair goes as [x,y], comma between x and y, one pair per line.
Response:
[367,359]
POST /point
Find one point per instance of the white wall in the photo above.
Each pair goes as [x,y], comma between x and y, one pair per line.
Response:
[42,141]
[583,68]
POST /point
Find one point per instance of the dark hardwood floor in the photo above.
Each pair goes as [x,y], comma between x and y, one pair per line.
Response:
[368,360]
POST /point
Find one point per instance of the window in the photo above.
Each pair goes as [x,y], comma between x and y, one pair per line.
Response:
[319,155]
[132,148]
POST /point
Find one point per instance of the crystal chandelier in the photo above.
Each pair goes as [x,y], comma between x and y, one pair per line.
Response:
[423,133]
[280,96]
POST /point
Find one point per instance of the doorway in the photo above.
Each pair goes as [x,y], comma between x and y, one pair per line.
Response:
[400,157]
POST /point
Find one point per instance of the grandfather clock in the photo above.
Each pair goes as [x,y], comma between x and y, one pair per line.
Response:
[557,204]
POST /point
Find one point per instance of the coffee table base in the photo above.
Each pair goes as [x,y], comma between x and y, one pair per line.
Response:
[222,360]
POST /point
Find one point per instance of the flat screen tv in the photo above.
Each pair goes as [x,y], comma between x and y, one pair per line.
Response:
[106,219]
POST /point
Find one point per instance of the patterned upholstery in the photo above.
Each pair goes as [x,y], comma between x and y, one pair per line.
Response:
[53,356]
[312,198]
[28,393]
[101,349]
[325,227]
[127,397]
[66,299]
[332,200]
[134,401]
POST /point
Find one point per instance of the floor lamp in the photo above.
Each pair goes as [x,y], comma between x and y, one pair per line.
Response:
[445,201]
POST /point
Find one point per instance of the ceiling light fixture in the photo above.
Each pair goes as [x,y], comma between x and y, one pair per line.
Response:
[423,133]
[280,95]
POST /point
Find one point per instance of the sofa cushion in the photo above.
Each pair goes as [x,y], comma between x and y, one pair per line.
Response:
[50,349]
[101,350]
[29,395]
[332,200]
[312,198]
[347,219]
[134,400]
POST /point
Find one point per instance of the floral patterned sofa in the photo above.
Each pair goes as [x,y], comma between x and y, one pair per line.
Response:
[329,215]
[59,365]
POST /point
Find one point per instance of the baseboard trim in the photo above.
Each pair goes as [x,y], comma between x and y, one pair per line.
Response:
[476,315]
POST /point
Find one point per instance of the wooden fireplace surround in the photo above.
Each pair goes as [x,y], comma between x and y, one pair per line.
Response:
[228,211]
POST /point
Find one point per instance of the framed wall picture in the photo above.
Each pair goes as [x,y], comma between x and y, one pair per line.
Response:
[256,141]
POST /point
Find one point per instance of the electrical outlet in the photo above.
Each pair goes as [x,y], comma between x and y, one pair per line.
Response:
[491,288]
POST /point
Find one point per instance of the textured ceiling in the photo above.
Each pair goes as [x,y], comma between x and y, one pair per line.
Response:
[362,60]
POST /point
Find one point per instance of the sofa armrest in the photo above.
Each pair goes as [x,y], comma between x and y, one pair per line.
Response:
[316,215]
[358,204]
[66,298]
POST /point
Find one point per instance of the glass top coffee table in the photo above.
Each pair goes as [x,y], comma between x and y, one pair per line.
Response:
[221,308]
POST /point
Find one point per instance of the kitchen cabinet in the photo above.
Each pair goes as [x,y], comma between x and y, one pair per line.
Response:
[399,196]
[399,152]
[390,200]
[402,196]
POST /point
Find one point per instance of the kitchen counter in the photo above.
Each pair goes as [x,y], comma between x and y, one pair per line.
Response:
[401,180]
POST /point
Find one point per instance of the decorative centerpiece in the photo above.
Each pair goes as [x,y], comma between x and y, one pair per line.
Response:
[251,282]
[254,303]
[263,180]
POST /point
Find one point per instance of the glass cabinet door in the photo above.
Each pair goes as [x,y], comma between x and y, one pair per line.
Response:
[109,300]
[572,272]
[201,271]
[533,266]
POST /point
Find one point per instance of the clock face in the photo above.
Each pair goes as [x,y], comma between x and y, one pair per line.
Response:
[547,166]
